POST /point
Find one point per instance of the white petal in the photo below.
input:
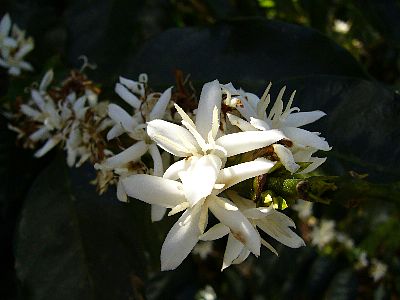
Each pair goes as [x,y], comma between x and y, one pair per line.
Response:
[10,43]
[5,25]
[126,95]
[180,241]
[302,118]
[50,144]
[38,99]
[242,203]
[120,116]
[78,107]
[277,108]
[286,158]
[25,66]
[242,256]
[216,232]
[238,224]
[115,131]
[198,181]
[39,134]
[157,161]
[29,111]
[232,251]
[239,122]
[154,190]
[158,110]
[316,162]
[306,138]
[211,96]
[269,246]
[259,124]
[47,79]
[157,212]
[275,225]
[246,110]
[25,49]
[121,194]
[172,138]
[131,154]
[258,212]
[134,86]
[173,171]
[238,173]
[241,142]
[253,100]
[15,71]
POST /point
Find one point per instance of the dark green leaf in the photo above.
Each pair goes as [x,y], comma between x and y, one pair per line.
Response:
[250,52]
[77,245]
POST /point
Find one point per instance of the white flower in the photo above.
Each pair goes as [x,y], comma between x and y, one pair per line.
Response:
[378,269]
[207,293]
[6,42]
[345,240]
[341,26]
[200,143]
[14,48]
[303,208]
[43,110]
[362,260]
[151,108]
[272,222]
[203,249]
[287,120]
[185,233]
[323,233]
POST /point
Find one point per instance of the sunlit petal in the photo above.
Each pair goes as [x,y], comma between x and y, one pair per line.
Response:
[158,110]
[154,190]
[198,181]
[238,224]
[180,241]
[172,138]
[210,97]
[234,143]
[238,173]
[232,251]
[131,154]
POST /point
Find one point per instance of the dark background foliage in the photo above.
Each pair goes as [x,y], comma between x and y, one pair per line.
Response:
[59,240]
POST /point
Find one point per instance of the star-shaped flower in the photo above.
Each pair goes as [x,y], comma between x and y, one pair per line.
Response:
[286,119]
[202,145]
[185,233]
[272,222]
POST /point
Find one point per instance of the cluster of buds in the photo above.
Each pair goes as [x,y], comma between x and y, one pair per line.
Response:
[14,46]
[228,139]
[67,115]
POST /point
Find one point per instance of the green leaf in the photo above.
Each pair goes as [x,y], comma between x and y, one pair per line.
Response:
[246,51]
[75,244]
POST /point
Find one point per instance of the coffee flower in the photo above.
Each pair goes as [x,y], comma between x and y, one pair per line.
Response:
[14,46]
[145,108]
[202,145]
[302,143]
[272,222]
[186,232]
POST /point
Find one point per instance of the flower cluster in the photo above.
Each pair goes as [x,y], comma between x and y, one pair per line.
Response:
[202,179]
[193,168]
[69,115]
[14,46]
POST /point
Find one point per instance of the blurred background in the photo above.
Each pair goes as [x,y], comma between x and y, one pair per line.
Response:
[60,240]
